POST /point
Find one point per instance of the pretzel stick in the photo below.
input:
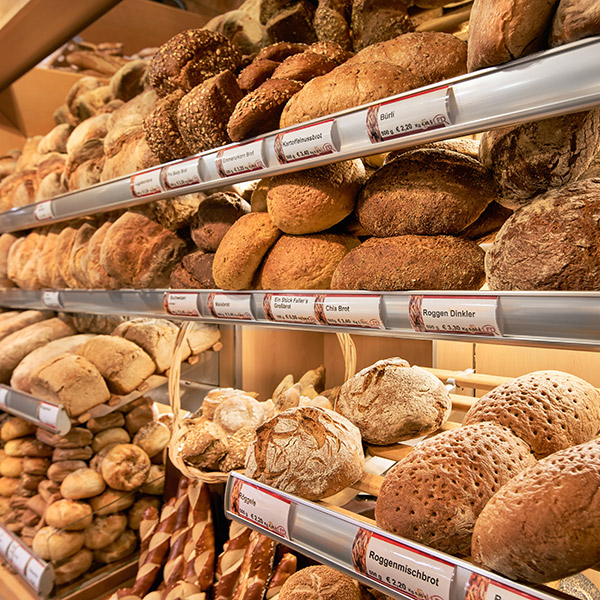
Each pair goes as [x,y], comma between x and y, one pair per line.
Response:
[257,568]
[230,561]
[284,570]
[148,526]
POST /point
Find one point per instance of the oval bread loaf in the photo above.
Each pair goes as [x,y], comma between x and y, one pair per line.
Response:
[53,544]
[73,567]
[111,501]
[84,483]
[104,530]
[69,515]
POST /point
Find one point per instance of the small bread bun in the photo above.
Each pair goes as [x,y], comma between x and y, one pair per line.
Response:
[140,416]
[14,428]
[125,467]
[96,462]
[152,438]
[27,446]
[76,438]
[61,454]
[114,435]
[319,583]
[113,419]
[8,486]
[123,546]
[59,470]
[155,481]
[111,501]
[136,513]
[73,567]
[35,466]
[104,531]
[50,543]
[11,466]
[84,483]
[68,514]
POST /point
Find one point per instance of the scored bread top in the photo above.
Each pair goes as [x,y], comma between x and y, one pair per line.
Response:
[550,410]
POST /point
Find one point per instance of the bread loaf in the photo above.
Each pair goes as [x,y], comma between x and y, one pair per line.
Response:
[113,435]
[72,454]
[11,466]
[69,515]
[123,546]
[75,438]
[434,494]
[22,260]
[125,467]
[374,22]
[15,427]
[152,438]
[111,501]
[204,445]
[27,446]
[84,483]
[319,583]
[35,465]
[8,486]
[6,241]
[21,320]
[78,254]
[194,272]
[98,424]
[136,513]
[97,276]
[58,470]
[574,20]
[237,411]
[539,527]
[104,530]
[73,566]
[53,544]
[550,410]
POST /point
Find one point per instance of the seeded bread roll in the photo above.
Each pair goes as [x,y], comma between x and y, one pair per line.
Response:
[425,192]
[539,527]
[391,401]
[412,262]
[68,514]
[304,262]
[319,583]
[574,20]
[502,30]
[189,58]
[434,494]
[550,410]
[310,452]
[242,249]
[280,51]
[374,22]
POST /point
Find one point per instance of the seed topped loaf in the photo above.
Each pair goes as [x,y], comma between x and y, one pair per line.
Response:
[319,583]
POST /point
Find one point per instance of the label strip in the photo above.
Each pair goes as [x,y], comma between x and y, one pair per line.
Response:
[181,304]
[290,308]
[483,588]
[349,311]
[305,142]
[244,158]
[146,183]
[181,174]
[230,306]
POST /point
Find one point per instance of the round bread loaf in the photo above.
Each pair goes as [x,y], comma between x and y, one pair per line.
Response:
[68,514]
[434,495]
[73,567]
[550,410]
[316,199]
[242,249]
[203,445]
[552,244]
[319,583]
[528,159]
[573,20]
[125,467]
[104,530]
[489,221]
[425,192]
[310,452]
[465,146]
[189,58]
[111,501]
[391,401]
[53,544]
[543,525]
[152,438]
[84,483]
[304,262]
[123,546]
[412,262]
[194,272]
[238,411]
[502,30]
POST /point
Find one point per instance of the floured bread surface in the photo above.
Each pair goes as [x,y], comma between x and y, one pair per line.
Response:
[435,494]
[550,410]
[543,525]
[319,583]
[311,452]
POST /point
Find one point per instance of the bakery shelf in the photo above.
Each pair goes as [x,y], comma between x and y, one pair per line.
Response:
[36,572]
[522,90]
[398,567]
[567,319]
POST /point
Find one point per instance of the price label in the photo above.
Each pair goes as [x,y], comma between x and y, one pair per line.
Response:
[261,507]
[18,556]
[468,315]
[3,396]
[230,306]
[146,183]
[483,588]
[182,304]
[401,568]
[51,299]
[35,570]
[5,540]
[305,142]
[43,211]
[47,414]
[293,308]
[181,174]
[244,158]
[411,114]
[349,311]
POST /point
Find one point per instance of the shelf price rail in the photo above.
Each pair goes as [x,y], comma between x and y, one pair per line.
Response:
[522,90]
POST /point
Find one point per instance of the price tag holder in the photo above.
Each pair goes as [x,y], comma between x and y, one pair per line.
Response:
[401,568]
[411,114]
[465,315]
[146,183]
[261,507]
[5,540]
[481,587]
[43,211]
[181,174]
[51,299]
[305,142]
[290,308]
[47,414]
[230,306]
[33,573]
[18,556]
[243,158]
[3,396]
[349,311]
[181,304]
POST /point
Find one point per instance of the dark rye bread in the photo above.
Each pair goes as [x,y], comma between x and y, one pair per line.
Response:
[490,220]
[502,30]
[573,20]
[194,271]
[189,58]
[304,66]
[280,51]
[256,73]
[465,146]
[425,192]
[543,525]
[552,244]
[528,159]
[412,262]
[550,410]
[435,494]
[204,112]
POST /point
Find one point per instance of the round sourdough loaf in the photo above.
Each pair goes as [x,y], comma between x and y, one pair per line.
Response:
[425,192]
[434,495]
[68,514]
[412,262]
[544,524]
[319,583]
[552,244]
[242,249]
[391,401]
[314,200]
[311,452]
[573,20]
[550,410]
[304,262]
[194,271]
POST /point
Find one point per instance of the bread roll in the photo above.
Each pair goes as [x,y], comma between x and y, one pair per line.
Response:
[237,411]
[139,416]
[35,466]
[539,527]
[49,491]
[434,494]
[76,438]
[71,454]
[57,471]
[73,567]
[115,435]
[98,424]
[237,448]
[550,410]
[52,544]
[15,427]
[27,446]
[574,20]
[84,483]
[111,501]
[104,530]
[11,466]
[204,444]
[8,486]
[123,546]
[37,504]
[68,514]
[319,583]
[311,452]
[152,438]
[125,467]
[155,481]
